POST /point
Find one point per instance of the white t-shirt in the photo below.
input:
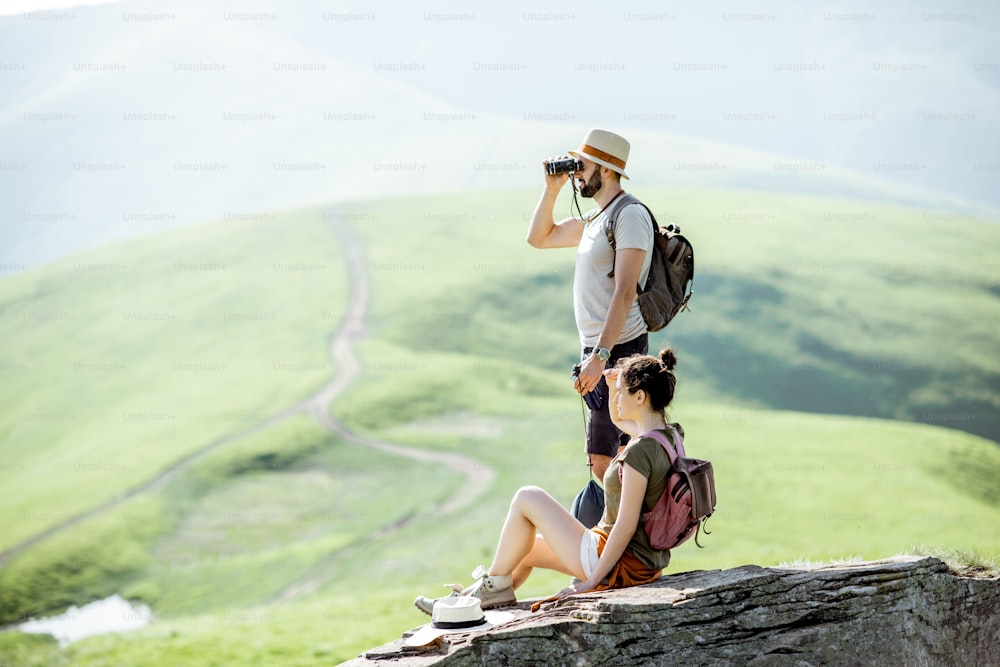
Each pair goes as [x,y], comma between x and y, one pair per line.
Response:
[592,288]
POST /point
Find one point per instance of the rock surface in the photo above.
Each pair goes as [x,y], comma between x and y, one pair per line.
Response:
[900,611]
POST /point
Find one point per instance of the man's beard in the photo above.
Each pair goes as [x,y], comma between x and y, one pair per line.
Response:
[592,185]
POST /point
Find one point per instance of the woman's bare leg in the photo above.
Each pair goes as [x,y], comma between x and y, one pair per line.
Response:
[534,511]
[541,555]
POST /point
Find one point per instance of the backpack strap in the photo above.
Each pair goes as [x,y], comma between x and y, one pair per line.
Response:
[697,532]
[617,204]
[609,227]
[674,447]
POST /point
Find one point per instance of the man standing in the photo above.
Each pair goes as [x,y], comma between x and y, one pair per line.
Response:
[607,309]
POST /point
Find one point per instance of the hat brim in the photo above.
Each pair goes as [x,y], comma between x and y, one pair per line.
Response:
[428,633]
[597,160]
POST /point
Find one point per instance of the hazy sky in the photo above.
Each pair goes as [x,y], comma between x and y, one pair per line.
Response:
[125,120]
[22,6]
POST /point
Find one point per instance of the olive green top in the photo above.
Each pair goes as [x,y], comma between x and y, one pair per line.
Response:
[648,457]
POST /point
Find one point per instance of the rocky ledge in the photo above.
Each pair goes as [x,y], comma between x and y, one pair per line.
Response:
[900,611]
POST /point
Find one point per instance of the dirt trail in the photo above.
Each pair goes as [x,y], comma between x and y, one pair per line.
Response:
[478,476]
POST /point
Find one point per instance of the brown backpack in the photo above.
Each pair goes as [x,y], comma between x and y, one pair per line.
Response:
[670,283]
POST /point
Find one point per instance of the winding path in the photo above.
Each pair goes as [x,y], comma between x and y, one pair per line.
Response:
[478,476]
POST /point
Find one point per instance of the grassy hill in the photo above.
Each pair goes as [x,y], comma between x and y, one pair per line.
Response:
[801,303]
[470,339]
[120,362]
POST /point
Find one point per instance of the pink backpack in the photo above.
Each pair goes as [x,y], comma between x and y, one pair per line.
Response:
[688,498]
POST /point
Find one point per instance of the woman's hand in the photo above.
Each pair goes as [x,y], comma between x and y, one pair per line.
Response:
[574,589]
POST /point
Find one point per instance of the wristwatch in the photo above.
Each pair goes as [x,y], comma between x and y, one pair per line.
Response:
[602,353]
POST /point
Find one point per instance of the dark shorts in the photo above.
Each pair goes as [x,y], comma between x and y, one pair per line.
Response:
[603,437]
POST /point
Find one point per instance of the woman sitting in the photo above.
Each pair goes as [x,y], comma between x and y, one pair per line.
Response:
[540,532]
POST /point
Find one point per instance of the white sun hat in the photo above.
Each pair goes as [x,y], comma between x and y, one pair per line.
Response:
[606,149]
[455,614]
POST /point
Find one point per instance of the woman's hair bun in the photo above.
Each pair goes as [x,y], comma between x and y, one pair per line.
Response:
[668,358]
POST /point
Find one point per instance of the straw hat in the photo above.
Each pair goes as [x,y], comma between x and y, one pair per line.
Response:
[606,149]
[460,613]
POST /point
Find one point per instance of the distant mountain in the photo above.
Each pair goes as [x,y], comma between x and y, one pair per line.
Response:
[123,119]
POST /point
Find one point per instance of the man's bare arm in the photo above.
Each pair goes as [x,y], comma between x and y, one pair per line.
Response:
[544,231]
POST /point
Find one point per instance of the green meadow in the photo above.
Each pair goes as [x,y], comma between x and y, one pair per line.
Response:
[839,367]
[121,362]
